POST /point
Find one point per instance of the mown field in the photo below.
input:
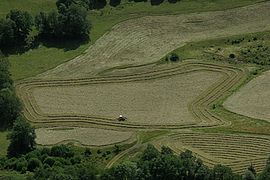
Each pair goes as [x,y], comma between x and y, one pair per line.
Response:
[253,99]
[236,151]
[138,101]
[74,92]
[82,136]
[50,55]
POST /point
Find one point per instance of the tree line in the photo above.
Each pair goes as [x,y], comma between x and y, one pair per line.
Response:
[65,163]
[10,106]
[165,164]
[69,22]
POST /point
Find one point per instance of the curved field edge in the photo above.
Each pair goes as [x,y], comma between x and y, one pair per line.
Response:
[252,99]
[234,150]
[147,39]
[90,137]
[39,60]
[200,107]
[199,50]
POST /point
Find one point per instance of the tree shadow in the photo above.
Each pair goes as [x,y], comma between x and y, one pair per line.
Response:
[67,44]
[63,43]
[156,2]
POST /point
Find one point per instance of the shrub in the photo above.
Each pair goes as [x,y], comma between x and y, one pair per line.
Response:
[22,138]
[87,152]
[173,57]
[232,56]
[21,165]
[75,160]
[62,151]
[116,149]
[10,107]
[33,164]
[45,151]
[49,160]
[99,151]
[173,1]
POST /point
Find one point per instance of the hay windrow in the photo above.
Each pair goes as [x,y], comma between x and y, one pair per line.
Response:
[148,39]
[161,101]
[236,151]
[83,136]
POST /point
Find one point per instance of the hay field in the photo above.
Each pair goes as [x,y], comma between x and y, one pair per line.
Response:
[236,151]
[112,77]
[171,97]
[149,38]
[160,101]
[83,136]
[253,99]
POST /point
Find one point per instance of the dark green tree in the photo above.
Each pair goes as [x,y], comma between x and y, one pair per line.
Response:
[10,107]
[265,174]
[75,22]
[150,153]
[190,164]
[33,164]
[49,25]
[23,24]
[156,2]
[5,79]
[123,171]
[173,1]
[7,36]
[22,138]
[166,150]
[66,3]
[248,175]
[62,151]
[115,3]
[221,172]
[69,22]
[166,166]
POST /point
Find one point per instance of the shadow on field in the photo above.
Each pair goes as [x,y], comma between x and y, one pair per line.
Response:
[34,43]
[66,44]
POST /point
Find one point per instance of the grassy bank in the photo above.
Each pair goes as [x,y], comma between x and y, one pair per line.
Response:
[46,56]
[4,143]
[220,50]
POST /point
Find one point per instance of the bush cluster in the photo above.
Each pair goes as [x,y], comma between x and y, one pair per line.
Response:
[173,57]
[52,163]
[155,165]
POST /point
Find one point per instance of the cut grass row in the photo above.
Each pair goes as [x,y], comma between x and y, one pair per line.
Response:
[92,137]
[46,56]
[219,49]
[199,50]
[236,151]
[200,107]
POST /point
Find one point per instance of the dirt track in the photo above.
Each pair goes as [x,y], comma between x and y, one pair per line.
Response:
[147,39]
